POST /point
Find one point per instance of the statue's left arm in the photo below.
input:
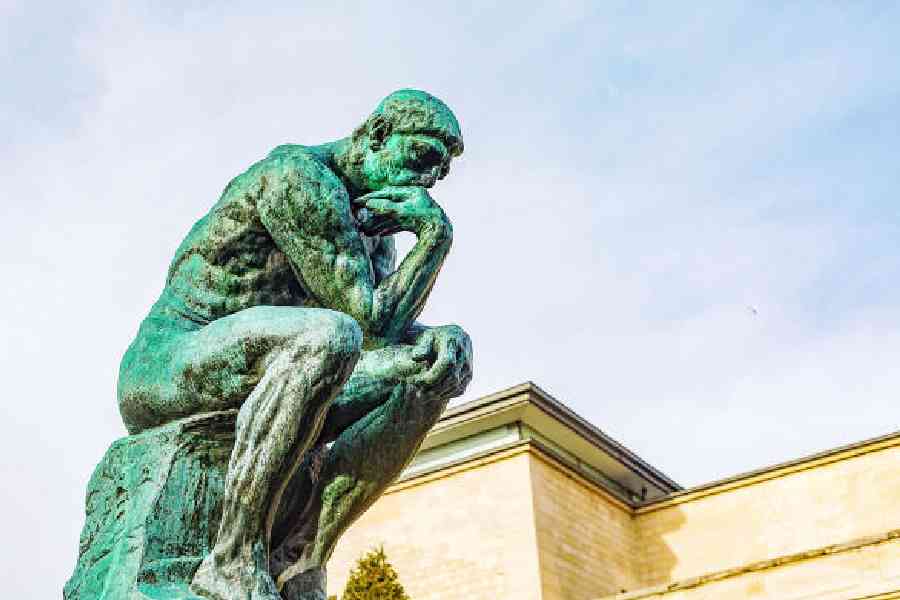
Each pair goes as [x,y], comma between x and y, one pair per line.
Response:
[384,262]
[438,360]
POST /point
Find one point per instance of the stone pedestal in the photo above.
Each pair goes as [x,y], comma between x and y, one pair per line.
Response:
[153,507]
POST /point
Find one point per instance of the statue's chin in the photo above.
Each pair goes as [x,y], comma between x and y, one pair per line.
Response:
[426,181]
[410,178]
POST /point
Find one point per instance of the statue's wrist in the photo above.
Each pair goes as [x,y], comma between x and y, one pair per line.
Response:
[436,229]
[413,332]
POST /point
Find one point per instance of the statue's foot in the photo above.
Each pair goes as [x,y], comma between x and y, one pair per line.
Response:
[241,582]
[308,585]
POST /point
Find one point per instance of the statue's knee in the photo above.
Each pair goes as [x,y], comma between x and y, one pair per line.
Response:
[341,335]
[333,336]
[464,342]
[462,338]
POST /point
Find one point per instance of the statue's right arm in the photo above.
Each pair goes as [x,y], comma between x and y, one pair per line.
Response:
[307,212]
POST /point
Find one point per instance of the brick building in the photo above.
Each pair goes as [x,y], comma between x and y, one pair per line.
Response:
[513,496]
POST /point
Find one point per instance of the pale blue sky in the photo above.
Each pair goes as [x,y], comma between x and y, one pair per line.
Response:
[638,179]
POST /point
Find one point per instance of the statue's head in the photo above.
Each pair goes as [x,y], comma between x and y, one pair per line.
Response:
[410,139]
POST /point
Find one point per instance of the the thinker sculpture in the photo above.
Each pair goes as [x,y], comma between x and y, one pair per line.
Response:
[284,303]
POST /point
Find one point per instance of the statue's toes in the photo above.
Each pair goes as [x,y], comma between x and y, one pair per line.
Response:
[309,585]
[265,588]
[209,583]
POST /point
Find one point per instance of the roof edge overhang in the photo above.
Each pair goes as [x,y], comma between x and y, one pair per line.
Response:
[529,412]
[783,469]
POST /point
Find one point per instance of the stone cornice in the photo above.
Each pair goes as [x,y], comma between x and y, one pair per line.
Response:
[888,537]
[774,472]
[539,416]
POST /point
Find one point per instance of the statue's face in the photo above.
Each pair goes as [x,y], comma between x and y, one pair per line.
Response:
[406,159]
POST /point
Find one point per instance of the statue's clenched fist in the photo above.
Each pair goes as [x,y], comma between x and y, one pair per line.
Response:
[449,351]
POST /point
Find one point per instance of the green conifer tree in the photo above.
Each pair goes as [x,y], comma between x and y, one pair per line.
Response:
[374,578]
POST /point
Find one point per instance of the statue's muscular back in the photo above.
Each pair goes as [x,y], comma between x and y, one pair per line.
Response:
[227,272]
[229,261]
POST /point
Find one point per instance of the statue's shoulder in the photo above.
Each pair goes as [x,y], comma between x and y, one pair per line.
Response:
[305,161]
[299,166]
[288,152]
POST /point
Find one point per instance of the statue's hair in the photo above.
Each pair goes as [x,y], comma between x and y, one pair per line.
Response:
[413,111]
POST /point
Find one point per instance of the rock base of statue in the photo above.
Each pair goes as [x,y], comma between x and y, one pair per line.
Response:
[153,509]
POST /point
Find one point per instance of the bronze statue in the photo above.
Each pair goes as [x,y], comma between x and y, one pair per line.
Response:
[285,303]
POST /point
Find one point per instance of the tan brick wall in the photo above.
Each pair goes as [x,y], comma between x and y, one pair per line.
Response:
[867,570]
[585,538]
[519,525]
[465,535]
[831,503]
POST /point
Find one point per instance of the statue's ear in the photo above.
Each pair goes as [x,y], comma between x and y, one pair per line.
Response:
[379,131]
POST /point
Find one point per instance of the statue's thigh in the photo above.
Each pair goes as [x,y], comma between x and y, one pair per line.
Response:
[218,366]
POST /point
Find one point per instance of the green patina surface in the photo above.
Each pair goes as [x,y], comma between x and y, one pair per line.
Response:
[153,507]
[281,382]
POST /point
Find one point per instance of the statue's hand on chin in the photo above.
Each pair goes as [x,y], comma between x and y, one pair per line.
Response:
[394,209]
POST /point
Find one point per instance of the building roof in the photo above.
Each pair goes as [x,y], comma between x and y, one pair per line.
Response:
[527,414]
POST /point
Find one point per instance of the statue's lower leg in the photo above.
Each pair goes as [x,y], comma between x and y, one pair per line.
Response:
[277,423]
[363,461]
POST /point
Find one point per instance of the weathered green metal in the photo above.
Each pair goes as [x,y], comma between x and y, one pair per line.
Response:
[285,311]
[153,508]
